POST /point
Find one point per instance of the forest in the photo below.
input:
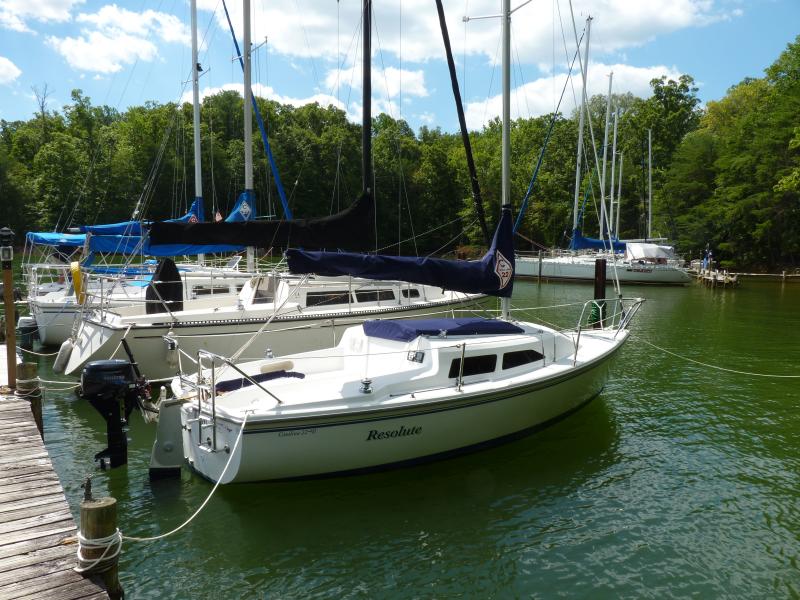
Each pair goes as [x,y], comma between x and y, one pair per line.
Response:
[726,176]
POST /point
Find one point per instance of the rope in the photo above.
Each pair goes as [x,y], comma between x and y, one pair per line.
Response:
[203,505]
[719,368]
[36,353]
[106,543]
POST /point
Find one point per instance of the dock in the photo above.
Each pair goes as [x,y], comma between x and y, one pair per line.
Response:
[38,540]
[714,278]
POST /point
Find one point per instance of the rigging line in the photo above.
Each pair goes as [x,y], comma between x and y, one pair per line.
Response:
[553,120]
[521,74]
[702,364]
[453,239]
[428,232]
[308,44]
[491,81]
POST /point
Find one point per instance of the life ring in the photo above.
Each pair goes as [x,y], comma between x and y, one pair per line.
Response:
[77,281]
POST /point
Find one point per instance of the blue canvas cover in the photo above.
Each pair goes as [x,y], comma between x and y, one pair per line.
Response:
[244,209]
[132,244]
[134,228]
[46,238]
[493,274]
[405,330]
[579,242]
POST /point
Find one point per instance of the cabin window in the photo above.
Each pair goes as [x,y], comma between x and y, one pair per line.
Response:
[412,293]
[265,291]
[327,298]
[521,357]
[375,295]
[205,290]
[474,365]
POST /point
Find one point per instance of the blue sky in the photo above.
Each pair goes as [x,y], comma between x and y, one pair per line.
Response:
[126,53]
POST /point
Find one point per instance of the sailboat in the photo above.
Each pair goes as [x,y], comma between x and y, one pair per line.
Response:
[285,314]
[645,263]
[391,393]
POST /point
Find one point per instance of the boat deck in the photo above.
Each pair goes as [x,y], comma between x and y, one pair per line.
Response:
[37,531]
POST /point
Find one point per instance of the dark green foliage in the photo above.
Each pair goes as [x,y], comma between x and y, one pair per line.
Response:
[728,176]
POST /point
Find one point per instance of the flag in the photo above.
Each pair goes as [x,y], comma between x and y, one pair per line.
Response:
[217,217]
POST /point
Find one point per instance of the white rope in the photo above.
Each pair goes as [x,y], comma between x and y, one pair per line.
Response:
[203,505]
[719,368]
[35,353]
[106,543]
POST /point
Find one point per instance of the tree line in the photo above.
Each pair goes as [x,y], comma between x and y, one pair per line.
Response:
[725,177]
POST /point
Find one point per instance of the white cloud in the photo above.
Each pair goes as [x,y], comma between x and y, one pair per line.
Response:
[115,36]
[538,98]
[309,29]
[8,71]
[267,92]
[387,83]
[15,13]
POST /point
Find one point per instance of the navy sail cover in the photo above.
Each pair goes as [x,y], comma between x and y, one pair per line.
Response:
[405,330]
[493,274]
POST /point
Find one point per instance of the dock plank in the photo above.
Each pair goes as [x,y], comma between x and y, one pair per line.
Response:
[37,530]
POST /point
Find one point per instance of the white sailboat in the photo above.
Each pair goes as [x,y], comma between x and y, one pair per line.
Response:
[391,393]
[651,265]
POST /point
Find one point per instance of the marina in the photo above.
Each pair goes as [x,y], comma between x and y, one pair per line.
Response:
[605,488]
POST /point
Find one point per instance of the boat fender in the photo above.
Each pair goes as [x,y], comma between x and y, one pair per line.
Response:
[77,281]
[281,365]
[63,356]
[172,349]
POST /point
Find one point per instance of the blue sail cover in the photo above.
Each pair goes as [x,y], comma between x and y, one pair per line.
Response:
[133,244]
[134,228]
[405,330]
[244,209]
[493,274]
[579,242]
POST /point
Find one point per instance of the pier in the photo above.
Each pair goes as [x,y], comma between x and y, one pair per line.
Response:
[715,278]
[38,540]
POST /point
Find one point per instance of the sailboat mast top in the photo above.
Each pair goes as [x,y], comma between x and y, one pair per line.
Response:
[584,72]
[198,180]
[248,110]
[366,119]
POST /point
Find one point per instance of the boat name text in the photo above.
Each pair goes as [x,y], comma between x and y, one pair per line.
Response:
[374,434]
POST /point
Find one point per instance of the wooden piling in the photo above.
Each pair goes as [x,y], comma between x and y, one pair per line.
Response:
[99,520]
[540,267]
[11,335]
[28,388]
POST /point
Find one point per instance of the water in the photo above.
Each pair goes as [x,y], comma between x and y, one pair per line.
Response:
[676,481]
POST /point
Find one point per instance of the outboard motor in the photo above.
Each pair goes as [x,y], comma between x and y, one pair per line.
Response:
[114,388]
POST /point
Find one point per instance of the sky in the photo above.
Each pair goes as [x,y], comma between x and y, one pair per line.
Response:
[127,53]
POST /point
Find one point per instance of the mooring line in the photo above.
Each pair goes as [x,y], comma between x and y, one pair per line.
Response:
[716,367]
[203,505]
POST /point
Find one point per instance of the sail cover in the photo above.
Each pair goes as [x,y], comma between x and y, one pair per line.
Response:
[584,243]
[132,244]
[350,229]
[493,274]
[129,228]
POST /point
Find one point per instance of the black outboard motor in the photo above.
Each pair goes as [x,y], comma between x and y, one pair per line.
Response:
[114,388]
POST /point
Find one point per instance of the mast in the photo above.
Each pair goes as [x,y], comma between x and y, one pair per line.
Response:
[366,100]
[462,122]
[613,179]
[505,197]
[198,175]
[584,72]
[649,183]
[619,191]
[248,125]
[604,225]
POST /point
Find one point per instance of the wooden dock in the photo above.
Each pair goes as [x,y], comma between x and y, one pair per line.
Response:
[37,532]
[715,278]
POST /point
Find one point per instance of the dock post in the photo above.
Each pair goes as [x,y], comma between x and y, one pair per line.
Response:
[99,521]
[28,388]
[539,280]
[6,256]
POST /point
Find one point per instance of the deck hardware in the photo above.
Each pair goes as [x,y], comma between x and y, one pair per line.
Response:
[366,384]
[461,367]
[416,356]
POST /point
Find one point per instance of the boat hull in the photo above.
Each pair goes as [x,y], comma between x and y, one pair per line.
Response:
[582,270]
[100,341]
[356,443]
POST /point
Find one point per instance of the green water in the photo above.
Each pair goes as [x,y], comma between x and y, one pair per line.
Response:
[676,481]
